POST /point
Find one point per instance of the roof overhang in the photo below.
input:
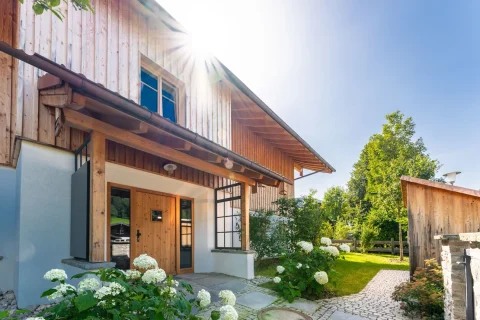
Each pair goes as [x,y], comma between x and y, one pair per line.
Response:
[405,180]
[90,104]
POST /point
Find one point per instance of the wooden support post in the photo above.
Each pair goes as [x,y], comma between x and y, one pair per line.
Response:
[97,197]
[245,202]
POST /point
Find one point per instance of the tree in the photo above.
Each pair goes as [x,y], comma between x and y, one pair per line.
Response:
[391,154]
[334,204]
[40,6]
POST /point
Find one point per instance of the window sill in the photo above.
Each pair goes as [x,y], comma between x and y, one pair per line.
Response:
[86,265]
[239,251]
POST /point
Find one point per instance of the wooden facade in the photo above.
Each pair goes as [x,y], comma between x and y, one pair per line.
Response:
[435,209]
[109,47]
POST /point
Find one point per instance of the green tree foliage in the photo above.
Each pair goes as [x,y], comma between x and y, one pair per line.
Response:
[342,231]
[303,217]
[374,188]
[40,6]
[334,204]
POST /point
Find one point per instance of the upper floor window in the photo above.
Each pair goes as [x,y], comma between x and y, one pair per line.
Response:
[158,93]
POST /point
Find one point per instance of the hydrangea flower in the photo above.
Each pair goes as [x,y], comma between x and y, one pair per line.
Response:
[228,313]
[55,274]
[204,298]
[88,284]
[112,289]
[169,290]
[326,241]
[332,250]
[133,274]
[144,261]
[277,279]
[280,269]
[321,277]
[306,246]
[62,290]
[345,247]
[299,265]
[154,276]
[228,297]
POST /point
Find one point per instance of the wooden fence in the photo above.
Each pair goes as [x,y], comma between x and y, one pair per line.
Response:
[384,246]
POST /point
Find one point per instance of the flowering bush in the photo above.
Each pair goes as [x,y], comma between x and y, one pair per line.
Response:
[306,271]
[133,294]
[423,295]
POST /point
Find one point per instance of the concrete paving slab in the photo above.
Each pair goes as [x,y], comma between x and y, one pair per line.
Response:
[212,281]
[339,315]
[304,305]
[234,286]
[256,300]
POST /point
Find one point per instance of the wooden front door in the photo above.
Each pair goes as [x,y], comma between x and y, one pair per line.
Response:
[153,228]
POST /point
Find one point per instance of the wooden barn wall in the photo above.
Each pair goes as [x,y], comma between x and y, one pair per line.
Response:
[433,211]
[254,147]
[106,47]
[124,155]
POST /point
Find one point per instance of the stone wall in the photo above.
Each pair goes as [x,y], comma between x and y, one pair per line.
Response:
[453,252]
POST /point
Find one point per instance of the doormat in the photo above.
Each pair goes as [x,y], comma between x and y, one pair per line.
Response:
[281,314]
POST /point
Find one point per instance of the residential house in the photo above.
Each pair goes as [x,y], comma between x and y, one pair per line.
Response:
[115,111]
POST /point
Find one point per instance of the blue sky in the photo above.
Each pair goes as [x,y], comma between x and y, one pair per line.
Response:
[333,69]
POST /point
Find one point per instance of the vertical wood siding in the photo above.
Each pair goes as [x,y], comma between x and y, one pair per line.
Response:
[106,47]
[253,147]
[433,211]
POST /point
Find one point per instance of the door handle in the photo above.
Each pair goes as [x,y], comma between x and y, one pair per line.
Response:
[138,235]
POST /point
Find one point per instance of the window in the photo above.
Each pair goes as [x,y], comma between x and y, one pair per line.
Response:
[151,85]
[120,227]
[186,216]
[228,224]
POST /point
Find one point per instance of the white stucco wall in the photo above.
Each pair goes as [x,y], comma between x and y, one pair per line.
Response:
[43,218]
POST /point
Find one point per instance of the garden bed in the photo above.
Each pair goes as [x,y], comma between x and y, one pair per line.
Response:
[352,273]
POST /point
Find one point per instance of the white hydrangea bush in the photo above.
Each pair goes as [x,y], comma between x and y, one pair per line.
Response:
[146,293]
[305,272]
[344,247]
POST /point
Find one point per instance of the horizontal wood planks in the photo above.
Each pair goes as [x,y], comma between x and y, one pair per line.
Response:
[434,211]
[106,47]
[125,155]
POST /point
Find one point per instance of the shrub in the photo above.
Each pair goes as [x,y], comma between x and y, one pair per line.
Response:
[305,271]
[145,294]
[303,218]
[367,237]
[423,296]
[268,234]
[342,231]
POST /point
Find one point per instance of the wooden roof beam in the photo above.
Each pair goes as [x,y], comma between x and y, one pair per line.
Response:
[205,155]
[253,174]
[129,124]
[177,144]
[86,123]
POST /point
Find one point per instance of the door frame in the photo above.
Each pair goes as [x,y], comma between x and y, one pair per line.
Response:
[133,191]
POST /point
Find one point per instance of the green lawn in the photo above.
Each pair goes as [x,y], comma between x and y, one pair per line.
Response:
[118,220]
[352,274]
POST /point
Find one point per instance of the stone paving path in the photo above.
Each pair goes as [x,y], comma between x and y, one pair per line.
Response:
[373,302]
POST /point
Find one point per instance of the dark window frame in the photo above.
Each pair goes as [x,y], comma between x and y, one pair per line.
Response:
[234,198]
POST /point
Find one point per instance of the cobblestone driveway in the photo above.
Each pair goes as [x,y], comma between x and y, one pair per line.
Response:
[373,302]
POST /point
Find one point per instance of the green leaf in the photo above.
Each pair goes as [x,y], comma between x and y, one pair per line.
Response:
[215,315]
[48,292]
[38,8]
[81,275]
[4,314]
[85,301]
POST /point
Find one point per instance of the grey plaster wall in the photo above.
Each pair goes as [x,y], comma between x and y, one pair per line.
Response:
[44,184]
[8,227]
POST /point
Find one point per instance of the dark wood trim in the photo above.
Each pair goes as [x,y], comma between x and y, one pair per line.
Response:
[177,236]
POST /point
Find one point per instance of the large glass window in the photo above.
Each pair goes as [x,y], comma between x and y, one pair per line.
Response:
[168,101]
[228,217]
[186,219]
[120,227]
